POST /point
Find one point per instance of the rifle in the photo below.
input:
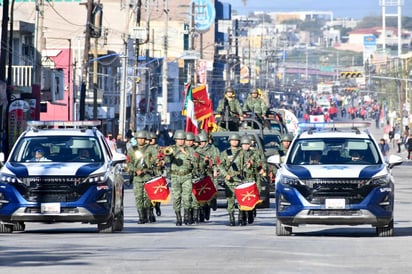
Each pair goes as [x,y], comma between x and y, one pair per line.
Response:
[226,113]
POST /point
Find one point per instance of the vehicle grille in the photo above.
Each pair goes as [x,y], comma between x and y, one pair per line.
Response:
[52,189]
[352,190]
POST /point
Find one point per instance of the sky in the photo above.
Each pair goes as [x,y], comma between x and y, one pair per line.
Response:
[341,8]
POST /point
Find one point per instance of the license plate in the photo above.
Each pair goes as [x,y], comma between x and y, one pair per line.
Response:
[50,208]
[335,203]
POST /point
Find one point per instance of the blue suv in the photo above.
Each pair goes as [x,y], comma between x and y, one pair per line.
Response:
[62,172]
[335,174]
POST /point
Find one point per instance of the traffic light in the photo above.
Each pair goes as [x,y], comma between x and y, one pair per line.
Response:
[351,89]
[351,74]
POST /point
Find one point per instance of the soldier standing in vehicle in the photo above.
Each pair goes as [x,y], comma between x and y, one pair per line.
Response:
[141,161]
[256,106]
[181,167]
[230,171]
[230,110]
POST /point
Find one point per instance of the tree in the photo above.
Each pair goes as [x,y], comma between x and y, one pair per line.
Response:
[376,21]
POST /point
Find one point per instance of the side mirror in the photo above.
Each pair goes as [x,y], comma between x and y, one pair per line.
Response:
[274,159]
[394,160]
[2,157]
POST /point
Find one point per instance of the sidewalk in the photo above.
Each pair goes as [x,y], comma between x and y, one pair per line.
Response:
[378,133]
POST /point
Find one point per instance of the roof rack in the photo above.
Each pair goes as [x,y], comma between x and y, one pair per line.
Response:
[334,126]
[62,124]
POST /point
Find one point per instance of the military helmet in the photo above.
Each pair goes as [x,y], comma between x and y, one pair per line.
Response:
[229,89]
[153,135]
[253,91]
[234,136]
[252,138]
[190,136]
[245,140]
[202,137]
[179,134]
[141,134]
[287,137]
[197,139]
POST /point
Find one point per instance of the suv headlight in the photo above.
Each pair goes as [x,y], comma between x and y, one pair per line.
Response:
[379,181]
[97,179]
[290,181]
[8,178]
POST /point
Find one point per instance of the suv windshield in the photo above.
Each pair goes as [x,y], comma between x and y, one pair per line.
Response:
[58,149]
[335,151]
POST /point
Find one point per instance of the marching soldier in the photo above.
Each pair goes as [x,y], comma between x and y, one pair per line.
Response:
[230,170]
[141,161]
[181,167]
[157,169]
[250,162]
[206,167]
[230,111]
[194,204]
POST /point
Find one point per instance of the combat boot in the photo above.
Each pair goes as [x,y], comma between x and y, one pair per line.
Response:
[196,216]
[242,218]
[206,210]
[213,204]
[141,217]
[191,215]
[152,218]
[232,221]
[157,208]
[178,218]
[201,214]
[186,213]
[250,217]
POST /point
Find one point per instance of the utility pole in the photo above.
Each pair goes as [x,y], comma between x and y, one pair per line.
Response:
[134,84]
[85,63]
[165,65]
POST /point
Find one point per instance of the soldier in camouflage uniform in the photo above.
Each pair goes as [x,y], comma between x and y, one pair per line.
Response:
[230,111]
[255,106]
[230,171]
[194,204]
[286,140]
[182,163]
[206,166]
[141,161]
[251,162]
[158,169]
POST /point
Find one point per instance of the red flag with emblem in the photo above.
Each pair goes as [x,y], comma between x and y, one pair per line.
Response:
[247,196]
[204,190]
[157,190]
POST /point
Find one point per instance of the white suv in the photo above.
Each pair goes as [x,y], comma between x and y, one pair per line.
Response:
[335,174]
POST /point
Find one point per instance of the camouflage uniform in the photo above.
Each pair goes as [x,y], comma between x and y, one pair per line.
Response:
[181,168]
[158,170]
[232,105]
[206,167]
[194,204]
[256,106]
[140,165]
[231,172]
[250,163]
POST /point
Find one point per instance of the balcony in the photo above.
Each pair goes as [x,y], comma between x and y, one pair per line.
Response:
[21,76]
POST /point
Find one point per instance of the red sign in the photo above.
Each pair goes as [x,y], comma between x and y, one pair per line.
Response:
[247,196]
[204,190]
[157,190]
